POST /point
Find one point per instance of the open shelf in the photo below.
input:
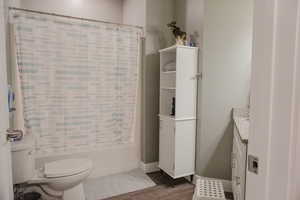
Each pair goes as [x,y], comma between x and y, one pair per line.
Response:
[169,72]
[166,99]
[168,61]
[162,116]
[170,65]
[168,88]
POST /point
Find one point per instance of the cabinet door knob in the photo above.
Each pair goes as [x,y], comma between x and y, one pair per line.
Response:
[233,160]
[238,180]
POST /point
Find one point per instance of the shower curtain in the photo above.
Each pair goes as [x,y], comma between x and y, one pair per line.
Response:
[78,79]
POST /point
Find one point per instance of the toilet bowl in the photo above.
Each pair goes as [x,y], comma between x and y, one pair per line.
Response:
[63,177]
[58,178]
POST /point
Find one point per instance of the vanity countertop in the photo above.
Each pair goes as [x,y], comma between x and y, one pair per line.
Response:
[241,121]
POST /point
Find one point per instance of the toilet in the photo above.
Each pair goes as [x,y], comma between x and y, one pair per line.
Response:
[61,178]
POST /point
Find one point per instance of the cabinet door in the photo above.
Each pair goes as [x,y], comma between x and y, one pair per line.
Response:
[186,83]
[166,146]
[237,194]
[185,135]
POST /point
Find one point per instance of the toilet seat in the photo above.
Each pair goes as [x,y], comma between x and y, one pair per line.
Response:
[67,167]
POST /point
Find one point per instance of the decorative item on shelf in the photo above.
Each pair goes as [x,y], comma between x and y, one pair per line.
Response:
[173,107]
[180,36]
[191,41]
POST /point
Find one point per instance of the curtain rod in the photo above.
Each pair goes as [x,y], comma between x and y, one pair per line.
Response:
[78,18]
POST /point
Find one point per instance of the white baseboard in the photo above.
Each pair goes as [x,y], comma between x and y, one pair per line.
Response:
[149,167]
[227,185]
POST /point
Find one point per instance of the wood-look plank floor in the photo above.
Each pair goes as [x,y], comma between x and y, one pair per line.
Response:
[166,189]
[160,192]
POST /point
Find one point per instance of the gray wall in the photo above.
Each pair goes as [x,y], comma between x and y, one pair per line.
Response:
[134,12]
[227,47]
[158,14]
[189,16]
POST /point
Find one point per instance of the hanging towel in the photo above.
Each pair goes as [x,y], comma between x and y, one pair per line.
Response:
[18,116]
[171,66]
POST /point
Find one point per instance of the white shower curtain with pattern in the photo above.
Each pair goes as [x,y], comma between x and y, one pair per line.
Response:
[79,81]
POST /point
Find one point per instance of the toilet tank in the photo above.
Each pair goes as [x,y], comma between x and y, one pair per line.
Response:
[23,161]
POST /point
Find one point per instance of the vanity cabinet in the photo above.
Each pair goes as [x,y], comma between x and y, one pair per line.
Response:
[239,165]
[177,110]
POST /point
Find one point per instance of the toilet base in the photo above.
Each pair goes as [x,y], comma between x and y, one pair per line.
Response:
[75,193]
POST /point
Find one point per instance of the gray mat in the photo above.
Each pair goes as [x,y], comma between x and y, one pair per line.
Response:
[109,186]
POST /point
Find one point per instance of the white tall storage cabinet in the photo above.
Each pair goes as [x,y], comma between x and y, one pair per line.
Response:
[177,133]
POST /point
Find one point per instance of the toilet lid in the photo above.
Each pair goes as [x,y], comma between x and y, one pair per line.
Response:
[66,167]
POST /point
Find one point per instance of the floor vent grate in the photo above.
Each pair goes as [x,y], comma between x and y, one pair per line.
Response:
[207,189]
